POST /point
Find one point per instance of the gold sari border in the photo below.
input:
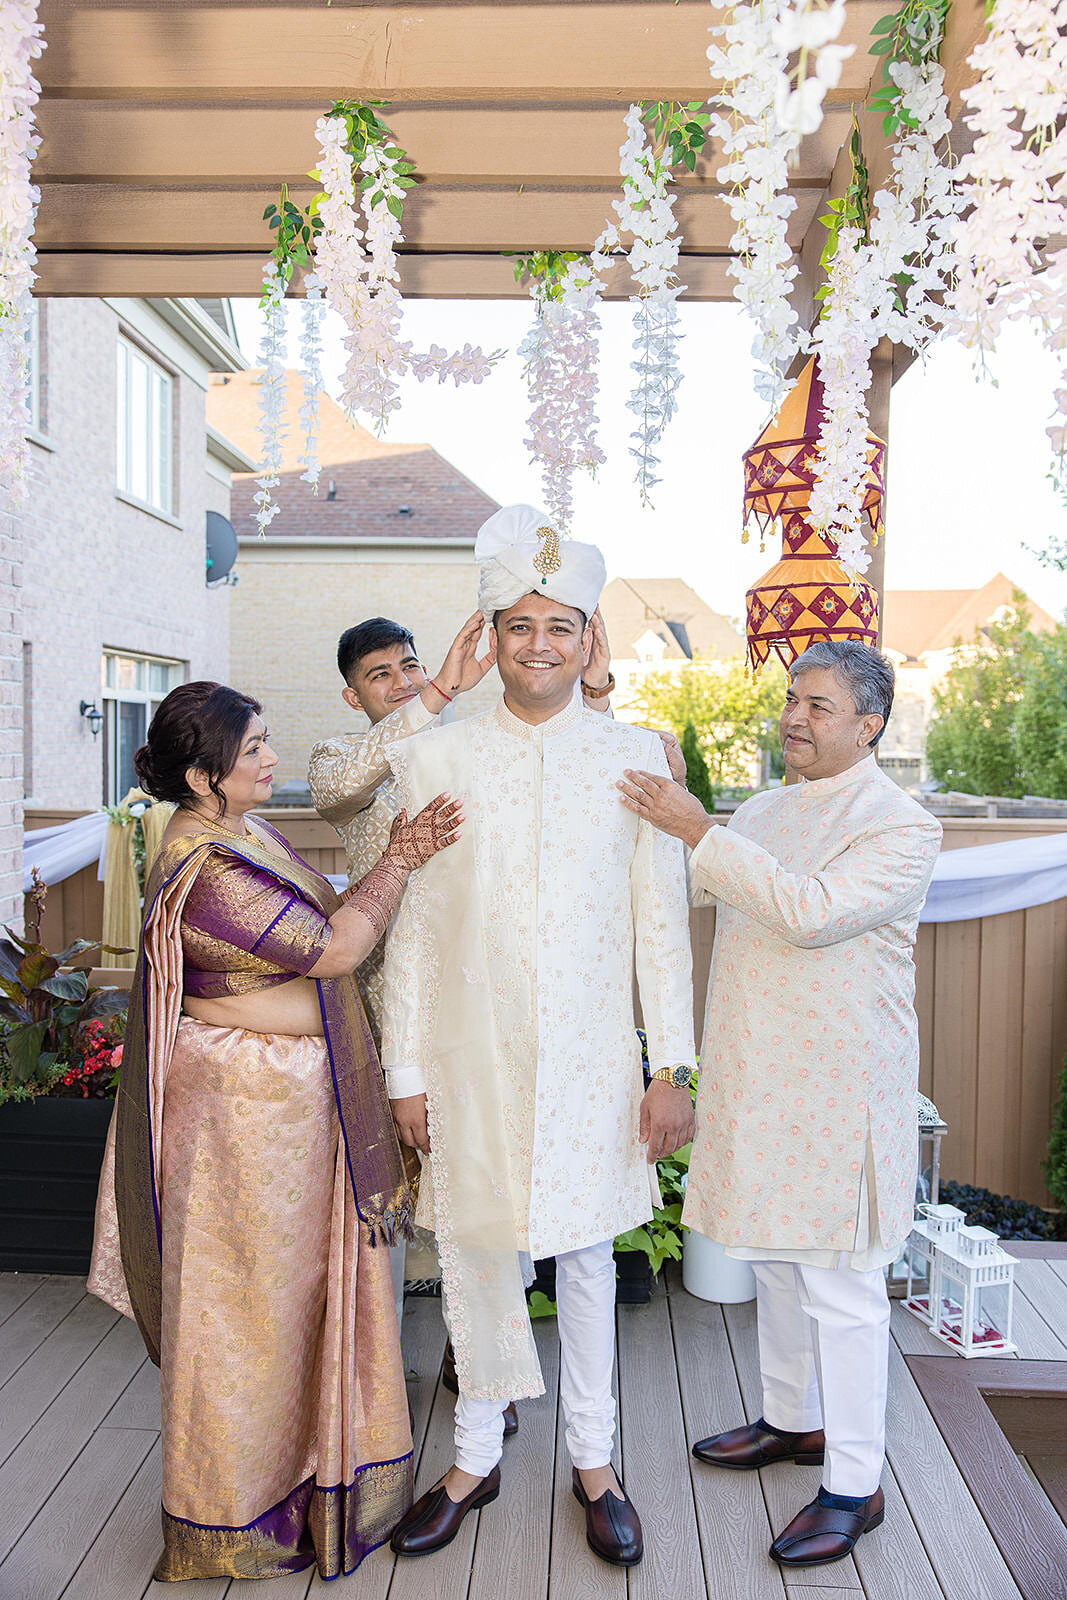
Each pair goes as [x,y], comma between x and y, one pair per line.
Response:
[334,1527]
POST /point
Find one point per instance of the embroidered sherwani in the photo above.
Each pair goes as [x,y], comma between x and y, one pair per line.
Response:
[352,787]
[509,1000]
[810,1056]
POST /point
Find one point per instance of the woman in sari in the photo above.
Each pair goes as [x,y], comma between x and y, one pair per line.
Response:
[253,1167]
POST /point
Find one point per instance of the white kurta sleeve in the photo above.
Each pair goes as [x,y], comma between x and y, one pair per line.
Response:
[401,1030]
[699,894]
[345,772]
[874,881]
[662,952]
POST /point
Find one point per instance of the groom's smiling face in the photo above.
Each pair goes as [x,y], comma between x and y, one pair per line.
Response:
[542,647]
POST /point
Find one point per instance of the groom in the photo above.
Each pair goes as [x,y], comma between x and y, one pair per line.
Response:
[509,1043]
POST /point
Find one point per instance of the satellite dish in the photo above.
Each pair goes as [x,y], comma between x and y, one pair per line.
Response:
[221,547]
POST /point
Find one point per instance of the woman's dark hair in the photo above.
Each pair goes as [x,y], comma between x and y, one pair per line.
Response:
[197,725]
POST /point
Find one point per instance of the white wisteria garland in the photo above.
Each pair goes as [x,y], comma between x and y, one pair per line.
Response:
[21,42]
[357,266]
[1015,184]
[759,115]
[882,286]
[271,422]
[313,310]
[560,356]
[644,212]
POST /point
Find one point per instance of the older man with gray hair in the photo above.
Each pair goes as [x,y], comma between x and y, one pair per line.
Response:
[804,1158]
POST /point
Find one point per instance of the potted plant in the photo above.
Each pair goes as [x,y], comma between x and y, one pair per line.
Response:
[60,1046]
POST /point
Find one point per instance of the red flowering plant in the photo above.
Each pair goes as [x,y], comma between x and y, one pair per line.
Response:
[58,1033]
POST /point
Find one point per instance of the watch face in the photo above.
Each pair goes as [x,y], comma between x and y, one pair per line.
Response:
[681,1077]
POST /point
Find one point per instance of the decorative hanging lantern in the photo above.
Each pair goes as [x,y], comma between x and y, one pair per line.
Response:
[807,596]
[904,1274]
[970,1299]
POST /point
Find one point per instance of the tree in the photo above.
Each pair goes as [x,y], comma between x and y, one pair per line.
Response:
[1041,721]
[971,743]
[1056,1165]
[735,717]
[696,769]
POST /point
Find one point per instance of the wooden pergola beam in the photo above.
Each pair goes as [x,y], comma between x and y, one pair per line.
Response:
[422,277]
[102,217]
[610,50]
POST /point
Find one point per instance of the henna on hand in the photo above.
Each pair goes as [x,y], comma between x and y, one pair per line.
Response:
[377,895]
[412,844]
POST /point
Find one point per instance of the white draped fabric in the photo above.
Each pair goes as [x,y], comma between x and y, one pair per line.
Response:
[987,879]
[59,852]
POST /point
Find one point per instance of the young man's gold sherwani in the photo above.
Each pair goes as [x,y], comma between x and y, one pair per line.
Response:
[353,789]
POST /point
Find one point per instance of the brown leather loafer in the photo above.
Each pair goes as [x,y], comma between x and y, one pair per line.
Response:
[612,1526]
[818,1534]
[435,1519]
[752,1446]
[451,1383]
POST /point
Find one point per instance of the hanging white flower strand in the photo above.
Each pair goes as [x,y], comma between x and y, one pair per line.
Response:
[644,211]
[358,269]
[560,356]
[313,310]
[759,116]
[1015,181]
[271,424]
[21,43]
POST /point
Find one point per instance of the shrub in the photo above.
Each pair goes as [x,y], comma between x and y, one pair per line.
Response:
[1056,1165]
[1007,1218]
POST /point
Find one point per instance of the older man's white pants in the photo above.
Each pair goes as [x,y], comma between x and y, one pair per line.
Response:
[585,1304]
[824,1360]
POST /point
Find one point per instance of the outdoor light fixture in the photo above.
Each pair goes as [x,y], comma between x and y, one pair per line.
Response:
[93,715]
[960,1283]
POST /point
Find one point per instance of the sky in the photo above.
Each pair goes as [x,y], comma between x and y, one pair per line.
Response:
[968,455]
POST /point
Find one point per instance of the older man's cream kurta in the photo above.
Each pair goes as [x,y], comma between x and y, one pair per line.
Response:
[509,1001]
[810,1054]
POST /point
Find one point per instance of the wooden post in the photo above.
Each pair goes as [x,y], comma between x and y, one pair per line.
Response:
[878,422]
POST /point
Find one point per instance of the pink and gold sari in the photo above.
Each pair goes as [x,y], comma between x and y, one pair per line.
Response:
[248,1179]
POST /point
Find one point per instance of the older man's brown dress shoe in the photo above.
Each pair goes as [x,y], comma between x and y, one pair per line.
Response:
[451,1383]
[612,1526]
[435,1519]
[820,1534]
[755,1446]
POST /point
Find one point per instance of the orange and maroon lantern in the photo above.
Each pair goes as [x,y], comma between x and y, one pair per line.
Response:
[807,596]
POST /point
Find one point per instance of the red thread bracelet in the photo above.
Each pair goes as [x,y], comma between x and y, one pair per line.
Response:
[440,691]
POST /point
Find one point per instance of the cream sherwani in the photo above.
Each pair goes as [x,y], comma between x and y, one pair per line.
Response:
[509,1001]
[805,1154]
[352,788]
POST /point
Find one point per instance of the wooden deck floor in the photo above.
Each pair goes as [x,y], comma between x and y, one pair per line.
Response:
[80,1472]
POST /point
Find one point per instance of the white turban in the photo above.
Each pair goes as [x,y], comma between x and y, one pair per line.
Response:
[508,547]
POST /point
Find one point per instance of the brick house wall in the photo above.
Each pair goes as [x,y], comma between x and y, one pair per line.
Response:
[100,571]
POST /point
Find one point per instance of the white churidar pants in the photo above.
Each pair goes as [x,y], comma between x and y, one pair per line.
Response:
[585,1302]
[824,1360]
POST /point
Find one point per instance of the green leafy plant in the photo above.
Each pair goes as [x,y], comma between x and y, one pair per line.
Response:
[296,231]
[539,1305]
[45,1010]
[697,780]
[852,209]
[545,269]
[913,34]
[1055,1168]
[735,716]
[678,130]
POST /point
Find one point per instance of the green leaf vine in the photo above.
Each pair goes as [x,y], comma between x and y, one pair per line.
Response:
[678,130]
[914,34]
[545,269]
[297,227]
[852,209]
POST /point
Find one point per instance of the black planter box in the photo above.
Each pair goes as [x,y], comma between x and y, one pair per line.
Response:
[51,1152]
[633,1278]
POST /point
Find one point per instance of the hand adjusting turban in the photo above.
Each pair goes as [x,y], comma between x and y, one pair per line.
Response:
[521,553]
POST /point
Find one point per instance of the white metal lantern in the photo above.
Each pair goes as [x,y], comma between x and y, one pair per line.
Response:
[972,1292]
[931,1130]
[934,1225]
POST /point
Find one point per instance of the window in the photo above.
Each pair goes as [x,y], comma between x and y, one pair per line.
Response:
[132,687]
[33,370]
[145,405]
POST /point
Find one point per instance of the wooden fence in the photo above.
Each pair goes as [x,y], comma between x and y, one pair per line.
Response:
[991,997]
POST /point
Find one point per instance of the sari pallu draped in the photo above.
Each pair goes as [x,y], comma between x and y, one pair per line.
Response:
[247,1180]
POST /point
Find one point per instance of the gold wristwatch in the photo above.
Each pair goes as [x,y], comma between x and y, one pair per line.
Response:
[681,1077]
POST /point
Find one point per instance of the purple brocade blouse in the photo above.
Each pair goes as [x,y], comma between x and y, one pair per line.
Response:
[243,931]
